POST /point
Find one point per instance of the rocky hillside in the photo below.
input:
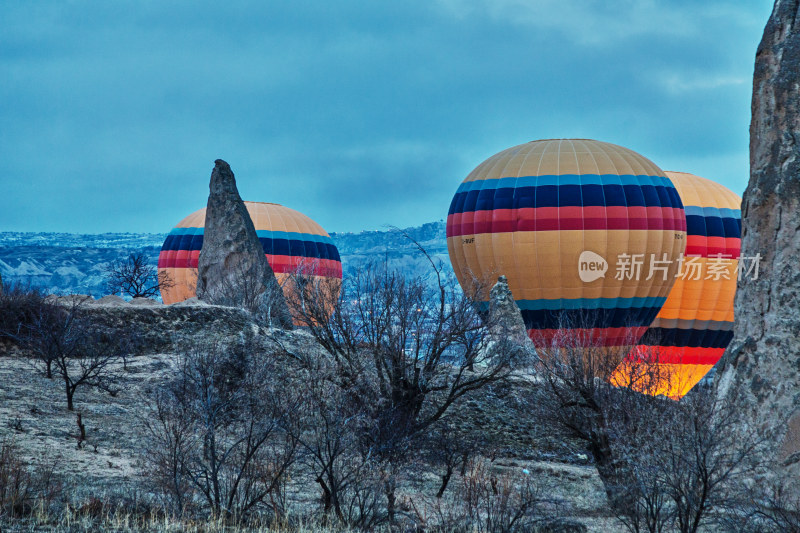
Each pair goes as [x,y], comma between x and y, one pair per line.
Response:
[108,465]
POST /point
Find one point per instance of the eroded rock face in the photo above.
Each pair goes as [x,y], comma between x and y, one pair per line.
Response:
[504,315]
[507,329]
[232,268]
[760,372]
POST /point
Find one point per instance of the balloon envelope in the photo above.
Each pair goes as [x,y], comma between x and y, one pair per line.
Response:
[560,218]
[695,325]
[292,243]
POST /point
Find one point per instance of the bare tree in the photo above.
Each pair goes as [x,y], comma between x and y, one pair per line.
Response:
[449,446]
[684,463]
[576,399]
[330,425]
[663,463]
[136,277]
[635,423]
[705,458]
[62,337]
[218,431]
[403,350]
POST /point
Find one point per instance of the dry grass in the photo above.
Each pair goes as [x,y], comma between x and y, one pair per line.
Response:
[82,520]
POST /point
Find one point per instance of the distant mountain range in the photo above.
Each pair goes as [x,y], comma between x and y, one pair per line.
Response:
[70,263]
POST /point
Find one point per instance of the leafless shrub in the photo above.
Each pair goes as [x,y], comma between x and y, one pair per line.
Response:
[16,492]
[771,504]
[22,485]
[490,501]
[81,437]
[136,277]
[217,435]
[18,308]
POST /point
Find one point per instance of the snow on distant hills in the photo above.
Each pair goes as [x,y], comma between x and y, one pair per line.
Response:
[80,240]
[71,263]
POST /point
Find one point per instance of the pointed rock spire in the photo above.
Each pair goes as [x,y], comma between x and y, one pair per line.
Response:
[232,268]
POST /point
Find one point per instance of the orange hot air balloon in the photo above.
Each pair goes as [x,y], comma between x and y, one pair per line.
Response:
[540,212]
[695,325]
[292,242]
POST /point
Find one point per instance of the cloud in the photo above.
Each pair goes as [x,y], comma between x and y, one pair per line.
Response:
[359,114]
[593,22]
[678,83]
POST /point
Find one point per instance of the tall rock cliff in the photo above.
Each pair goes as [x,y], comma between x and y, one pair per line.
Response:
[760,372]
[232,269]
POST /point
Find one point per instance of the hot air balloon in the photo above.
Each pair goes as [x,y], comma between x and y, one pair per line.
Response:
[292,242]
[695,325]
[563,219]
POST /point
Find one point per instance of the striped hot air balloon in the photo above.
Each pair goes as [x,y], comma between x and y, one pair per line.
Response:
[540,212]
[292,242]
[695,325]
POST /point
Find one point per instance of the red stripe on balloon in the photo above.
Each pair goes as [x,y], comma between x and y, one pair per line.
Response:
[676,355]
[601,337]
[566,218]
[280,264]
[178,258]
[708,246]
[283,264]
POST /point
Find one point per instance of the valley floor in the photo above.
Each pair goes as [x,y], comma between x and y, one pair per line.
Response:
[108,465]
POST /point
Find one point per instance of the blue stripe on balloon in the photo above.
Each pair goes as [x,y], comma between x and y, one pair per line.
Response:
[565,195]
[692,338]
[589,318]
[277,246]
[268,234]
[263,234]
[721,212]
[563,179]
[590,303]
[713,226]
[299,248]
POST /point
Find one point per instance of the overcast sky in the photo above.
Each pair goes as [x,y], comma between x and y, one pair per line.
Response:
[359,114]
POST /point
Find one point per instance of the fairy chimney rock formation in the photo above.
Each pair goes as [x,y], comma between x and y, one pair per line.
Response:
[760,372]
[504,316]
[232,269]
